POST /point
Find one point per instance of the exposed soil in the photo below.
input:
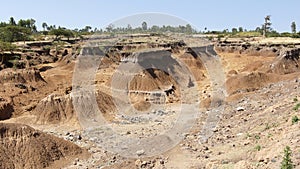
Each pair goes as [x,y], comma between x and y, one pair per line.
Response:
[24,147]
[40,127]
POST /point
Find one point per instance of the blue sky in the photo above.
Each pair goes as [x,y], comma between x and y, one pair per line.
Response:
[213,14]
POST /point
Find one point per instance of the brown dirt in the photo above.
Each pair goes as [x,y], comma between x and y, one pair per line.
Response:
[264,92]
[20,76]
[106,105]
[6,108]
[25,147]
[150,80]
[249,82]
[54,109]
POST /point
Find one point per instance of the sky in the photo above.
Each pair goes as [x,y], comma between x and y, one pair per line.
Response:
[212,14]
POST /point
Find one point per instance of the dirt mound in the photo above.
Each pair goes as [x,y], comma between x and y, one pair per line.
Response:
[20,76]
[153,86]
[6,108]
[25,147]
[151,79]
[288,62]
[249,82]
[58,108]
[105,104]
[54,108]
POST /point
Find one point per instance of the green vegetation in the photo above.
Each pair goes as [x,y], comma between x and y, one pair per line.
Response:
[293,27]
[295,120]
[26,29]
[144,26]
[60,32]
[153,29]
[297,106]
[267,25]
[287,161]
[257,147]
[6,46]
[295,99]
[11,31]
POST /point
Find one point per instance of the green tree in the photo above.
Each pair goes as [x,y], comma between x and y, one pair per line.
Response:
[110,27]
[144,26]
[12,21]
[267,25]
[234,30]
[60,32]
[241,29]
[13,33]
[28,23]
[189,29]
[155,28]
[129,28]
[287,161]
[86,29]
[44,25]
[22,23]
[293,27]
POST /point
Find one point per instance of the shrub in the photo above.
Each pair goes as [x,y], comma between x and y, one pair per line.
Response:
[295,119]
[287,161]
[297,107]
[295,99]
[257,147]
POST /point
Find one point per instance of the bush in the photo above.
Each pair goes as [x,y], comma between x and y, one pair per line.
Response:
[287,161]
[6,46]
[258,147]
[296,108]
[295,99]
[295,120]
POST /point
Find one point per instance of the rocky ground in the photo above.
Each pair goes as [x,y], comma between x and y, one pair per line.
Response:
[255,114]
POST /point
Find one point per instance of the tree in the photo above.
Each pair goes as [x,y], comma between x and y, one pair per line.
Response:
[44,25]
[109,28]
[155,28]
[241,29]
[87,28]
[61,32]
[13,33]
[28,23]
[258,29]
[293,27]
[189,29]
[234,30]
[129,28]
[287,161]
[12,21]
[144,26]
[22,23]
[267,25]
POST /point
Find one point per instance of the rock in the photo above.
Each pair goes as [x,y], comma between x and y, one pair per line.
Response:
[138,162]
[140,152]
[240,108]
